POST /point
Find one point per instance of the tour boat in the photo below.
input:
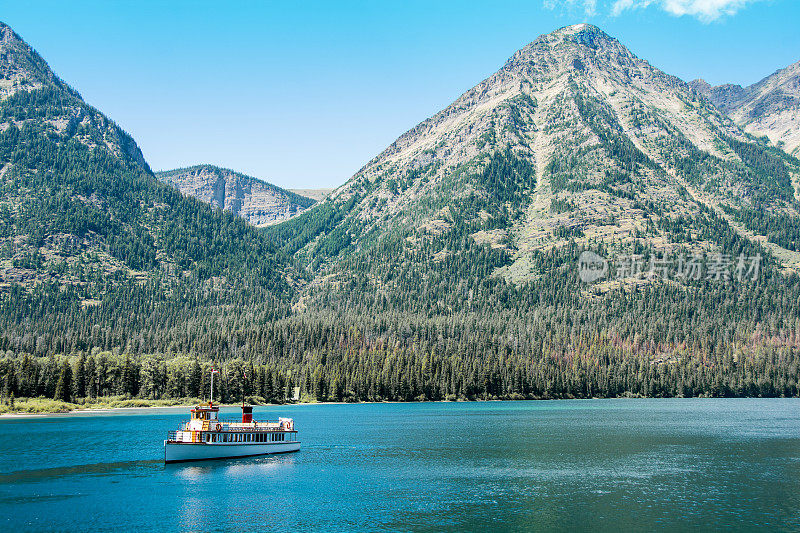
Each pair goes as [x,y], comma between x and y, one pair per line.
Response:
[206,436]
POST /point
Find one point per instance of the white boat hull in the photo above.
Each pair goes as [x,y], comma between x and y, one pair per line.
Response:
[176,452]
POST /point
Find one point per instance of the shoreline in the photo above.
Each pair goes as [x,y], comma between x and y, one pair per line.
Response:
[91,410]
[96,410]
[100,410]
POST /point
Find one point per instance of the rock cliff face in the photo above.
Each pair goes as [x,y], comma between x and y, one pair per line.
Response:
[256,201]
[770,107]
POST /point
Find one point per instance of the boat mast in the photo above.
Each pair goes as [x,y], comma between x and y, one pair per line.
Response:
[211,401]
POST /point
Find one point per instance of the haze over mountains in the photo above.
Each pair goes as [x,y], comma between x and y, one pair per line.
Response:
[446,267]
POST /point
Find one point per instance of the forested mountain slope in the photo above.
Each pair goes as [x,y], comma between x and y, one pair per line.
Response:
[258,202]
[92,245]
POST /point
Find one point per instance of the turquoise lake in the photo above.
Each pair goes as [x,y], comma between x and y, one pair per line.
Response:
[583,465]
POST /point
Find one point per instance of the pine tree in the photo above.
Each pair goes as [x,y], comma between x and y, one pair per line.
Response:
[80,377]
[63,390]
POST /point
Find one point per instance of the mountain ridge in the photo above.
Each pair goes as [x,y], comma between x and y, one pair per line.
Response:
[768,107]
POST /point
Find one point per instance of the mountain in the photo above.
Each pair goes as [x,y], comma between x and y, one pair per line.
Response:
[574,141]
[770,107]
[91,240]
[24,73]
[449,265]
[258,202]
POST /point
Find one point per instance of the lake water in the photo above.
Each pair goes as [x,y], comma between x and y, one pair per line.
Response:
[550,465]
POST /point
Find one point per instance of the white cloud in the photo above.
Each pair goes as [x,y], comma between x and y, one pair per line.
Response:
[704,10]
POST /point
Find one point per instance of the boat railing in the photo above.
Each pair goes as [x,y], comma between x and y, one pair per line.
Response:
[236,424]
[260,424]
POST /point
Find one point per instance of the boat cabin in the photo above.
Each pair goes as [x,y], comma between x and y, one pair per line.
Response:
[203,416]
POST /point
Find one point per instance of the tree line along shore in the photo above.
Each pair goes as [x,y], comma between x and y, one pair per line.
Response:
[59,383]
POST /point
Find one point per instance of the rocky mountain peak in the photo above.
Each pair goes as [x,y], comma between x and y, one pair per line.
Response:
[585,52]
[30,89]
[22,68]
[579,40]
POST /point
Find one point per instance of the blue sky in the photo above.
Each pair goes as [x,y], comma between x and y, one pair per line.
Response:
[302,94]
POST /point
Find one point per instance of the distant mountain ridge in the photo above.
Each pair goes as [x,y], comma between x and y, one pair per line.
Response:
[769,107]
[258,202]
